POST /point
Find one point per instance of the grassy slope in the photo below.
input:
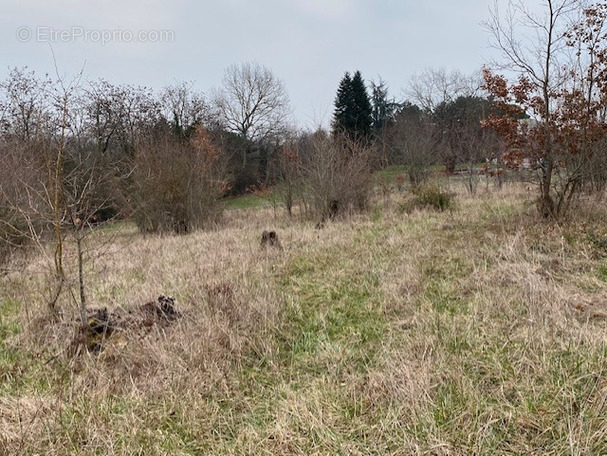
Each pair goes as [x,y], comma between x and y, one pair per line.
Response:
[428,333]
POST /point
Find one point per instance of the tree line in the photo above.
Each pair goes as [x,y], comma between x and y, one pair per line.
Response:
[83,152]
[165,158]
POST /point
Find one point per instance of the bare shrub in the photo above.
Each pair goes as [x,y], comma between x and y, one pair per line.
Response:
[17,167]
[337,175]
[414,144]
[178,182]
[289,176]
[595,172]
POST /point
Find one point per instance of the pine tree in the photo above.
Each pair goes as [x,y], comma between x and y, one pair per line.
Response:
[384,109]
[343,103]
[353,112]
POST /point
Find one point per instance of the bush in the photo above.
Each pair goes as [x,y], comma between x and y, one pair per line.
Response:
[12,234]
[178,183]
[337,175]
[412,139]
[23,211]
[430,196]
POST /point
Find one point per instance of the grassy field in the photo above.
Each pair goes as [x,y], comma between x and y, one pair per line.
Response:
[479,330]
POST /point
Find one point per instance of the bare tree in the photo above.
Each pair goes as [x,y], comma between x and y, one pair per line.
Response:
[463,140]
[25,105]
[42,130]
[437,92]
[114,115]
[54,181]
[19,164]
[413,139]
[289,173]
[184,108]
[434,86]
[478,148]
[252,103]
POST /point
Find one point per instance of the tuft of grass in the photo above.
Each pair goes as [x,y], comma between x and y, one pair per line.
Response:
[429,196]
[434,197]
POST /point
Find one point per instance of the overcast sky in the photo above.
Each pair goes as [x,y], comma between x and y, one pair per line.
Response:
[309,44]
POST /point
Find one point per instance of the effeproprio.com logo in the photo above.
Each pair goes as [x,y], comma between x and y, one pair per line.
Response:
[46,34]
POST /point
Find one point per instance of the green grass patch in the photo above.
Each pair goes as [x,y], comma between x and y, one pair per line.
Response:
[334,307]
[9,326]
[333,326]
[10,356]
[389,173]
[250,201]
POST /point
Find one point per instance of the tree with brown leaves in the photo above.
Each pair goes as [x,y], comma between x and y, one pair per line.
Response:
[562,86]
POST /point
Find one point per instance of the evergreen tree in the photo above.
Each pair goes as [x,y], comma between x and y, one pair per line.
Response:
[343,102]
[384,109]
[353,112]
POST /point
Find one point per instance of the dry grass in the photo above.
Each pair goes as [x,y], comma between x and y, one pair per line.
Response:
[473,331]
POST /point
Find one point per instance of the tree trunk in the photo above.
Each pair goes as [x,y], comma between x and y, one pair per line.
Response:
[81,279]
[546,203]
